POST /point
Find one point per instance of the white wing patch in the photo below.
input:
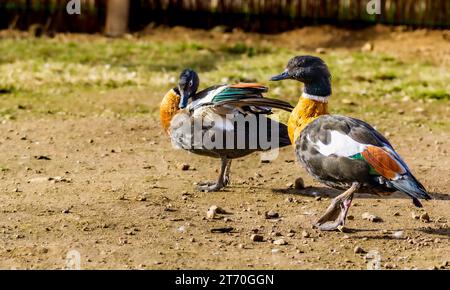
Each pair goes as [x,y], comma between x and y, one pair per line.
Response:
[340,144]
[207,116]
[208,98]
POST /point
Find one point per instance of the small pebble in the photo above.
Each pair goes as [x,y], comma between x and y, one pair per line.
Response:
[213,211]
[415,216]
[397,235]
[280,242]
[299,183]
[320,50]
[271,215]
[184,166]
[358,250]
[371,217]
[257,238]
[425,218]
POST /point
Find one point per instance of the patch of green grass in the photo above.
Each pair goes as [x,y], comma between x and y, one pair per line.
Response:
[96,75]
[438,94]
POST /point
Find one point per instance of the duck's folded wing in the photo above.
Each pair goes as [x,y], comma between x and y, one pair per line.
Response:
[234,135]
[340,136]
[257,103]
[223,93]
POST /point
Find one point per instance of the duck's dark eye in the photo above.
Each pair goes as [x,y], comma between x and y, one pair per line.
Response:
[190,83]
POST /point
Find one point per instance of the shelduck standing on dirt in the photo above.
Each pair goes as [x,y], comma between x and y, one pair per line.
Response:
[340,151]
[212,114]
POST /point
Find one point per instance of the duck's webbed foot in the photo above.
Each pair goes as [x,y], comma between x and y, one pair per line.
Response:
[223,180]
[334,217]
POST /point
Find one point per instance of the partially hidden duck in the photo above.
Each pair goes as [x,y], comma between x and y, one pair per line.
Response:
[207,122]
[340,151]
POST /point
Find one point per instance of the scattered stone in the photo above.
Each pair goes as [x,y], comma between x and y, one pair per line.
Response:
[441,220]
[42,157]
[396,213]
[390,266]
[141,198]
[280,242]
[358,250]
[184,166]
[415,215]
[305,234]
[271,215]
[321,50]
[348,102]
[425,218]
[222,230]
[38,180]
[299,183]
[257,238]
[289,199]
[350,217]
[289,185]
[367,47]
[275,251]
[57,179]
[318,198]
[397,235]
[371,217]
[66,210]
[181,229]
[214,210]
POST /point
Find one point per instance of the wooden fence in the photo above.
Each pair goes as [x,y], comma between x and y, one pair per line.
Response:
[252,15]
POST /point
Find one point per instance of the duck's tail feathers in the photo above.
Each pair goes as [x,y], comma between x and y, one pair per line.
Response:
[409,185]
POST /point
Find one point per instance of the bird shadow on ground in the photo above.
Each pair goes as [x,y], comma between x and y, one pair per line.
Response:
[313,191]
[436,231]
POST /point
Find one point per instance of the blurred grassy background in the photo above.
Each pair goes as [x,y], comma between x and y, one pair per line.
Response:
[80,75]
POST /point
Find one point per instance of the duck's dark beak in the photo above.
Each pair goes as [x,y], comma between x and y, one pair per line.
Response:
[183,100]
[283,76]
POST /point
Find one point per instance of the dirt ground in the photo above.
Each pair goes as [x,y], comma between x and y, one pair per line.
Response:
[112,188]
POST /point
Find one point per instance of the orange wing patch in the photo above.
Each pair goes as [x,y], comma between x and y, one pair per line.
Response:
[382,162]
[248,85]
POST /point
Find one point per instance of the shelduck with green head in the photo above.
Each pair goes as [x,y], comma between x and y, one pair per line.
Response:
[185,113]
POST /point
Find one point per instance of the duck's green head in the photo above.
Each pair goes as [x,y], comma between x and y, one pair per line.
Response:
[310,70]
[187,85]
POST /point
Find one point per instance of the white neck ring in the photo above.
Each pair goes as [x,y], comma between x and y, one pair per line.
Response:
[322,99]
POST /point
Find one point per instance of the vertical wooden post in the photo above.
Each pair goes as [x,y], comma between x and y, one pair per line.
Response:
[117,13]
